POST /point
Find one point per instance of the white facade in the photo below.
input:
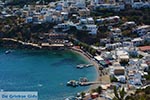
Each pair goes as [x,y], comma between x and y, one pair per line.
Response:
[29,19]
[113,46]
[64,15]
[137,41]
[90,20]
[48,18]
[92,29]
[138,5]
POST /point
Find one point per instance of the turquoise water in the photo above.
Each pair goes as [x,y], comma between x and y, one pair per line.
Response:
[44,71]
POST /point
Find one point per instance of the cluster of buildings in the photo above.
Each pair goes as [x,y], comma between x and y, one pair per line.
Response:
[67,13]
[128,55]
[127,59]
[120,55]
[120,5]
[116,38]
[126,67]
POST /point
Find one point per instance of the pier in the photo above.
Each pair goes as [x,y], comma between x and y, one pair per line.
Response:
[88,83]
[75,83]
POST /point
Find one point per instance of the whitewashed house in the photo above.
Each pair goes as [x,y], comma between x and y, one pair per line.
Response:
[137,5]
[90,20]
[130,24]
[137,41]
[141,30]
[87,24]
[48,18]
[113,46]
[29,19]
[64,15]
[122,55]
[92,29]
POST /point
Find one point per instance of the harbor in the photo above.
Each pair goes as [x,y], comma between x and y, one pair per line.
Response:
[60,64]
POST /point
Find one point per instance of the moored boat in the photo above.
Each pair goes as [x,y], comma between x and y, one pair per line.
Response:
[83,79]
[80,66]
[8,51]
[72,83]
[84,65]
[89,65]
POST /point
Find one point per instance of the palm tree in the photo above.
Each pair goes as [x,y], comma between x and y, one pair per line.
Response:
[119,94]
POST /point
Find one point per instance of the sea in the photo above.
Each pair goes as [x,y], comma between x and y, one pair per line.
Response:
[44,71]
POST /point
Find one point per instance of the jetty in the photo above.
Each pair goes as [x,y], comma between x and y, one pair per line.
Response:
[88,83]
[83,81]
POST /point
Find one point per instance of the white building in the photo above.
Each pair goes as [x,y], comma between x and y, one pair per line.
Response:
[29,19]
[48,18]
[138,5]
[122,55]
[92,29]
[112,20]
[98,58]
[96,2]
[130,24]
[137,41]
[87,25]
[141,30]
[90,20]
[64,15]
[113,46]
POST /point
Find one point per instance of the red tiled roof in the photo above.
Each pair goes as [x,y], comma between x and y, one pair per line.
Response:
[144,48]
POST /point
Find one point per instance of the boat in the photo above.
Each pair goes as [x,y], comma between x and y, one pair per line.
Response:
[89,65]
[84,65]
[72,98]
[8,51]
[83,79]
[80,66]
[73,83]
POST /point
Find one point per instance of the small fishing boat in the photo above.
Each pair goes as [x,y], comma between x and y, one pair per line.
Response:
[84,65]
[73,83]
[8,51]
[89,65]
[80,66]
[72,98]
[83,79]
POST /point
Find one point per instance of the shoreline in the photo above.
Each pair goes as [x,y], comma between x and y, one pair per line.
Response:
[95,65]
[13,43]
[17,44]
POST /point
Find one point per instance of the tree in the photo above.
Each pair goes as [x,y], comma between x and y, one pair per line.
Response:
[93,51]
[119,94]
[99,89]
[82,94]
[114,79]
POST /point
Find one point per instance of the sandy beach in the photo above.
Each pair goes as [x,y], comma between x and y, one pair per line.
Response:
[104,79]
